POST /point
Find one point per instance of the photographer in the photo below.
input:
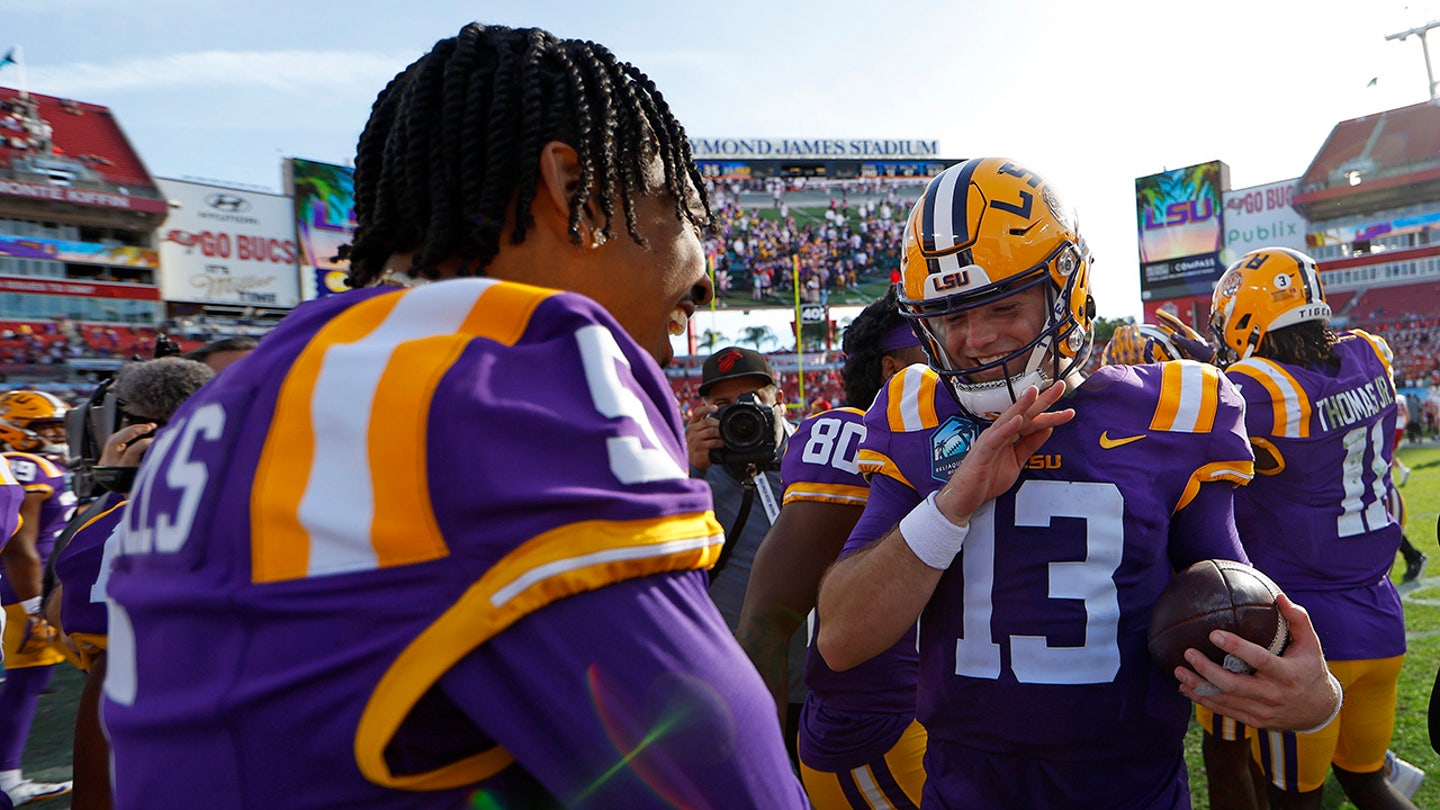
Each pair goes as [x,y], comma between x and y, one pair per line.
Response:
[122,425]
[741,404]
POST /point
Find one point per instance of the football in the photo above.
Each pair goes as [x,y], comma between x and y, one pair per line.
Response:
[1215,595]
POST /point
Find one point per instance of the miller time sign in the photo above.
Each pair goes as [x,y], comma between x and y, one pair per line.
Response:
[790,148]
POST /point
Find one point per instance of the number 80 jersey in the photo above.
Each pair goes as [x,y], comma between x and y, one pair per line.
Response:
[1034,642]
[819,464]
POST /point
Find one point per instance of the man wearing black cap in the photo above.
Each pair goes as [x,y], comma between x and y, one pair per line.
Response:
[728,375]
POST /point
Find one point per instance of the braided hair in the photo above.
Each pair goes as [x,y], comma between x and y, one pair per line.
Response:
[454,140]
[863,353]
[1311,343]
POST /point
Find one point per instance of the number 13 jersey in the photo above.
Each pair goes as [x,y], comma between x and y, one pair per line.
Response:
[1034,642]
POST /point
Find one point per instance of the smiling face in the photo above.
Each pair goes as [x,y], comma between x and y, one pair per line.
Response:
[654,288]
[990,333]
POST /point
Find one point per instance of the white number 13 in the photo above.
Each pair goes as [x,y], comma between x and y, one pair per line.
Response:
[1032,658]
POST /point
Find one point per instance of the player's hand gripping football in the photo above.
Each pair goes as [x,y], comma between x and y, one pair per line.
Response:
[1000,452]
[1290,692]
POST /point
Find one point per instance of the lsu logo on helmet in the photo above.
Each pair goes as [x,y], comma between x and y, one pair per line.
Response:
[1264,290]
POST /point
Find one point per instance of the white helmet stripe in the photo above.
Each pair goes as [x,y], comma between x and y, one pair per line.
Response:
[943,211]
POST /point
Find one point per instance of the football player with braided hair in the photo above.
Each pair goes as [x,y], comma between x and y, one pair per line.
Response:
[858,743]
[1320,413]
[1033,539]
[465,478]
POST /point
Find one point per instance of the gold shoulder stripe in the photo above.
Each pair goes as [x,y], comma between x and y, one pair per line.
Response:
[365,375]
[48,468]
[826,493]
[570,559]
[1189,397]
[1237,472]
[1291,405]
[873,463]
[911,394]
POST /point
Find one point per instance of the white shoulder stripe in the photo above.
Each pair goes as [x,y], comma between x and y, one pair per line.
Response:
[1190,404]
[912,386]
[1289,391]
[338,511]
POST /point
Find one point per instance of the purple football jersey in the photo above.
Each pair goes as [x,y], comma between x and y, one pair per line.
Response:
[819,463]
[1034,642]
[853,716]
[395,486]
[37,473]
[82,568]
[1315,518]
[12,492]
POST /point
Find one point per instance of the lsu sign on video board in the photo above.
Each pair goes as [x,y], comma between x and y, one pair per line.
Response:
[324,220]
[227,246]
[1179,216]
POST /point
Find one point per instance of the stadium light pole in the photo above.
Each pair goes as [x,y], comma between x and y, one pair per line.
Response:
[1424,44]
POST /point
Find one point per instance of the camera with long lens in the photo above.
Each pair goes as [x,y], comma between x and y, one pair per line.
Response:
[751,435]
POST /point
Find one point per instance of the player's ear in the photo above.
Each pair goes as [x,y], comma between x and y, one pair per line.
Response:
[559,181]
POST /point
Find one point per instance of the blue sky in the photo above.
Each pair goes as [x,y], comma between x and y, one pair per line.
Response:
[225,90]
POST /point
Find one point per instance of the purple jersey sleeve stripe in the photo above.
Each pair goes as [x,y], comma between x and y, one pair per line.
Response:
[827,493]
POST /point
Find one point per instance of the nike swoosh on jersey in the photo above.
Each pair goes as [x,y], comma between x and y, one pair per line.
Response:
[1109,443]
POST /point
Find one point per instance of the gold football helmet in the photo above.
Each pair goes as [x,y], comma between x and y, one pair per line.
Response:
[1264,290]
[23,412]
[984,230]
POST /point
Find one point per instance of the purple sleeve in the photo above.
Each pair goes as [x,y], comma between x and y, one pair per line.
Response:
[78,567]
[889,501]
[656,706]
[11,495]
[1205,528]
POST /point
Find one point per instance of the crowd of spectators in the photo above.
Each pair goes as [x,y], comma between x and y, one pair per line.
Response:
[756,248]
[63,340]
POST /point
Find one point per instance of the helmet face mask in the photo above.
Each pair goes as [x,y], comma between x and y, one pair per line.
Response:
[986,230]
[1264,290]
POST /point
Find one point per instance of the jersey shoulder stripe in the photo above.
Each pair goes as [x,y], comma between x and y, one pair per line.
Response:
[1189,397]
[910,399]
[1292,407]
[37,473]
[815,492]
[369,365]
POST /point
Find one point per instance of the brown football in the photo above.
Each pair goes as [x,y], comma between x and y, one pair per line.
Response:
[1215,595]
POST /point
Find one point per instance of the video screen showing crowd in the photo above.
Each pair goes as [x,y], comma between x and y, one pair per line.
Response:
[980,532]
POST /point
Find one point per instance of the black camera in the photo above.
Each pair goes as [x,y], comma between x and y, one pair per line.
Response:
[751,435]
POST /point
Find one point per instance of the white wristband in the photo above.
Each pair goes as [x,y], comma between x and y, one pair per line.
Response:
[31,605]
[1339,703]
[931,535]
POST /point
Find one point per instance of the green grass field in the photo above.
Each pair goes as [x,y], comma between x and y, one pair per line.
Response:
[1422,622]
